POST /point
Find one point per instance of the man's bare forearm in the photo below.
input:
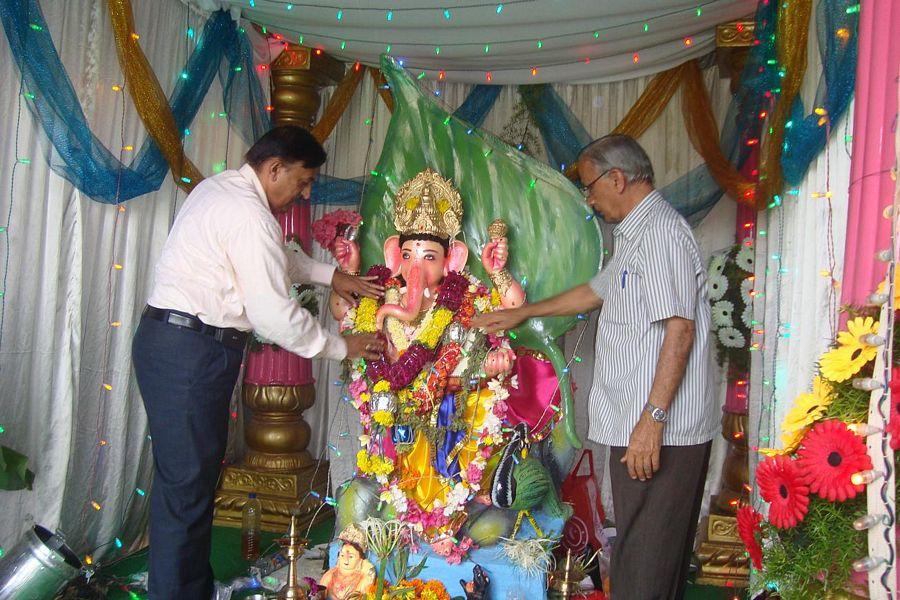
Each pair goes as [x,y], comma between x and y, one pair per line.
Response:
[579,299]
[673,359]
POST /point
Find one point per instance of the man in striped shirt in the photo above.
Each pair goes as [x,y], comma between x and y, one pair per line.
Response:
[652,400]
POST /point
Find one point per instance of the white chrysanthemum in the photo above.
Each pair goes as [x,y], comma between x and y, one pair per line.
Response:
[745,258]
[747,287]
[718,284]
[747,316]
[722,312]
[731,337]
[717,264]
[456,499]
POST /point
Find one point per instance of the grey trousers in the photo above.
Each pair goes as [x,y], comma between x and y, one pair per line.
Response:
[656,521]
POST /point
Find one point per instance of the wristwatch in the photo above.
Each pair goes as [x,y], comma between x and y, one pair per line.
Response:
[656,413]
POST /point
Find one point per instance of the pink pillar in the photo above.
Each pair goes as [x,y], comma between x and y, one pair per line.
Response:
[272,365]
[874,122]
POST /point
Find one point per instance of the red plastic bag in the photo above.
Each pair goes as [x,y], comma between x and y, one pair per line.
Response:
[582,490]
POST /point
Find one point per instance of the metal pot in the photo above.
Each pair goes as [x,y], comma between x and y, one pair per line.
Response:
[37,567]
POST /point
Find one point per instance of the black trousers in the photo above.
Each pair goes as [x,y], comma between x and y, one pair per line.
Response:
[186,380]
[656,521]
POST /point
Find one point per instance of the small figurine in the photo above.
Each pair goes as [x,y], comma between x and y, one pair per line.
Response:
[353,574]
[477,588]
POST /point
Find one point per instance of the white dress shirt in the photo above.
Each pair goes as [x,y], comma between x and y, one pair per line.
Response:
[225,262]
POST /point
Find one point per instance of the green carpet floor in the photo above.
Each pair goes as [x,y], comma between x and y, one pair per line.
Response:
[227,564]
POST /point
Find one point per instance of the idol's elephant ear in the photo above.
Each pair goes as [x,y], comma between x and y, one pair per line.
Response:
[554,242]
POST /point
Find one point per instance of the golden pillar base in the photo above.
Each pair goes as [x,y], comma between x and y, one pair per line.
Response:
[723,559]
[278,494]
[278,468]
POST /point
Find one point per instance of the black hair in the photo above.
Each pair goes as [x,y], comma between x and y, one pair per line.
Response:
[426,237]
[291,143]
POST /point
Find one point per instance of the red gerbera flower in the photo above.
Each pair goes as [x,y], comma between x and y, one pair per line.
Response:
[830,455]
[781,485]
[748,521]
[893,424]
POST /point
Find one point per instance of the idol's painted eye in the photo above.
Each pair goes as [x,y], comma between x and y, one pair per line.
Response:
[405,256]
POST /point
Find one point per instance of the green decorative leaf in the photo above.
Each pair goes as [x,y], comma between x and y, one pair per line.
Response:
[14,472]
[554,242]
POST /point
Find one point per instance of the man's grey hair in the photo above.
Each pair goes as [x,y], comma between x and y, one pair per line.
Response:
[617,151]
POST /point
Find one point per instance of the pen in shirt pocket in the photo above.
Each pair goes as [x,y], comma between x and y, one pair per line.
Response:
[624,275]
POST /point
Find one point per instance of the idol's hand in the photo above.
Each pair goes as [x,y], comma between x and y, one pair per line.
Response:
[347,255]
[500,320]
[494,255]
[642,455]
[350,287]
[497,361]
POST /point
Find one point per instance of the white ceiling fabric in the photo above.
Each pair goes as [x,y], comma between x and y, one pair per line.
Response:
[582,40]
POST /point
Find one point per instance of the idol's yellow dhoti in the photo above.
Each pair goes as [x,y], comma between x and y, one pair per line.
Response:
[418,476]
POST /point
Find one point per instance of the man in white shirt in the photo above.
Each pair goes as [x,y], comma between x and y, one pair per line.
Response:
[222,272]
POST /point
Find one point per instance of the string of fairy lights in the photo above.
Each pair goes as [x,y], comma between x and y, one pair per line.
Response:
[593,36]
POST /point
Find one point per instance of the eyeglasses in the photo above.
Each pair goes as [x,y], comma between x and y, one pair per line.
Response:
[586,189]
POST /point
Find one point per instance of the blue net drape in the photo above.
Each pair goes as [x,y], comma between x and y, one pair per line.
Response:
[83,159]
[563,134]
[836,30]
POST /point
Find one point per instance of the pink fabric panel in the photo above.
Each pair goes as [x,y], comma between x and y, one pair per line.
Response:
[871,188]
[531,402]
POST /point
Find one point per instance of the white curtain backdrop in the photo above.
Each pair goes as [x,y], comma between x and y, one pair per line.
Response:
[58,348]
[88,444]
[800,254]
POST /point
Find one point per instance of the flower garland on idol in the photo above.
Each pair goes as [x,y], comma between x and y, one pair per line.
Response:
[408,392]
[812,484]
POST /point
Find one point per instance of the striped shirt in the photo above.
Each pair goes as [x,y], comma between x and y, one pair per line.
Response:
[656,272]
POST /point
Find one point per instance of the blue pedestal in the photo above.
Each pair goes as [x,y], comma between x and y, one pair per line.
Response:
[508,582]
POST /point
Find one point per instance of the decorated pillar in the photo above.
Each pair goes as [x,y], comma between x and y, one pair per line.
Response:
[720,550]
[278,385]
[874,123]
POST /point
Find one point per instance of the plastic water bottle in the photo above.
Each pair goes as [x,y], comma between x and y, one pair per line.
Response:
[251,515]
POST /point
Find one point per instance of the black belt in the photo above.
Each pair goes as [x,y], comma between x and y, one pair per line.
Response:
[232,338]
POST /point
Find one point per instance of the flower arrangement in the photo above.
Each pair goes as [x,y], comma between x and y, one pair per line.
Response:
[805,545]
[731,293]
[333,225]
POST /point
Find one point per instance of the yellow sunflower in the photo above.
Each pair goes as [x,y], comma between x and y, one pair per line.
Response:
[851,355]
[790,441]
[807,409]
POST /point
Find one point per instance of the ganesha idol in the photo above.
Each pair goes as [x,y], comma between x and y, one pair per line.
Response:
[446,425]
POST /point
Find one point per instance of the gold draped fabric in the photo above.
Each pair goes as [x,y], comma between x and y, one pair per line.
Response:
[148,97]
[651,104]
[699,122]
[417,474]
[338,103]
[704,134]
[792,33]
